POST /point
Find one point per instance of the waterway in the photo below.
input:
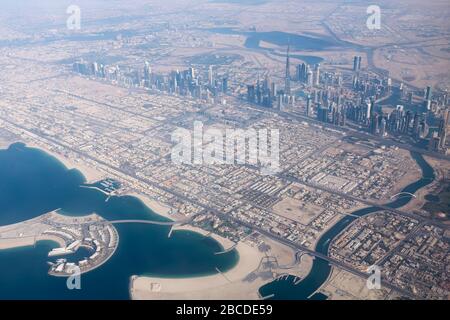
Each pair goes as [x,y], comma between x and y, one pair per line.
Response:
[297,42]
[321,269]
[33,183]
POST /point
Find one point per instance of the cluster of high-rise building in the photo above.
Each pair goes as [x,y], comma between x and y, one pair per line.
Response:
[329,100]
[186,83]
[308,75]
[438,139]
[399,121]
[268,95]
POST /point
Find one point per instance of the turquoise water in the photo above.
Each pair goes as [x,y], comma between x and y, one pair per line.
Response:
[33,183]
[286,289]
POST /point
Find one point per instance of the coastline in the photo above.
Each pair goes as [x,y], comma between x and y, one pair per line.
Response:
[28,241]
[225,285]
[225,243]
[228,285]
[89,173]
[29,232]
[4,144]
[243,282]
[157,207]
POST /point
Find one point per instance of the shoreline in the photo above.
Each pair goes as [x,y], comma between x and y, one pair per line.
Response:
[228,285]
[225,243]
[90,174]
[29,232]
[157,207]
[231,284]
[249,257]
[29,241]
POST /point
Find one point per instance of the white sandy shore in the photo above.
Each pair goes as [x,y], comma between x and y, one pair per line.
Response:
[224,242]
[156,206]
[228,285]
[25,241]
[17,242]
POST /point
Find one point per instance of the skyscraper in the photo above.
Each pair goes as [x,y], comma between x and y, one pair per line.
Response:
[308,105]
[280,104]
[317,75]
[147,74]
[287,81]
[251,93]
[210,76]
[191,73]
[301,72]
[428,93]
[309,77]
[427,101]
[443,129]
[367,108]
[357,63]
[225,85]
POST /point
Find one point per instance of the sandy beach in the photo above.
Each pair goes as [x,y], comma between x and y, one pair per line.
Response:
[224,242]
[28,241]
[241,282]
[26,233]
[156,206]
[17,242]
[228,285]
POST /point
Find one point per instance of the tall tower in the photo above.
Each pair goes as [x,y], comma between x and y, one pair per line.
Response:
[443,129]
[287,81]
[317,75]
[355,63]
[428,93]
[210,76]
[308,105]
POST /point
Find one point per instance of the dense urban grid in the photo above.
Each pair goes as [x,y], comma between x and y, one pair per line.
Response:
[110,101]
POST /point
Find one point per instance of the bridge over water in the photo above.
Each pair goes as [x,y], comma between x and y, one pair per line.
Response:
[403,194]
[161,223]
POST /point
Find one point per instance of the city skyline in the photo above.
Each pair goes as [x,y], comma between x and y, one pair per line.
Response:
[243,150]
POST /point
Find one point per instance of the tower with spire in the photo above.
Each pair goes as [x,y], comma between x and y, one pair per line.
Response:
[287,80]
